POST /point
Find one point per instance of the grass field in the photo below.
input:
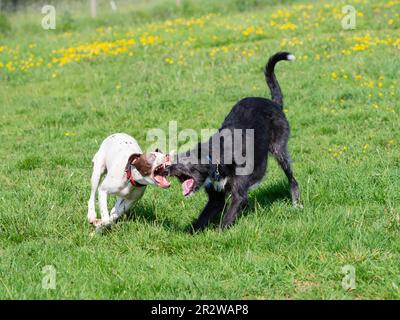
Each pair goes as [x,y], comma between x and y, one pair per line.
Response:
[63,91]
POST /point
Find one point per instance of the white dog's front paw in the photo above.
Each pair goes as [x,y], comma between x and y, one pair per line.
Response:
[96,222]
[92,219]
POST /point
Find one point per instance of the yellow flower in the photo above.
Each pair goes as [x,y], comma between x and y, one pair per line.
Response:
[288,26]
[359,47]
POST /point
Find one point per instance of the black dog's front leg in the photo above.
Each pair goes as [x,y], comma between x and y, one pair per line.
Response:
[237,205]
[215,205]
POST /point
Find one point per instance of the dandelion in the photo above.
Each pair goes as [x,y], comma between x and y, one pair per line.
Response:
[359,47]
[337,151]
[10,67]
[288,26]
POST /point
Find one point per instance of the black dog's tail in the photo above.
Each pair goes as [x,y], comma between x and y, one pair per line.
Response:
[270,75]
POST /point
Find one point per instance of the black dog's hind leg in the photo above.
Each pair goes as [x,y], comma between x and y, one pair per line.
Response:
[282,156]
[215,205]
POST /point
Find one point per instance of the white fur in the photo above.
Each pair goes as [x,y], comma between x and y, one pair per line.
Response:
[218,185]
[291,57]
[112,157]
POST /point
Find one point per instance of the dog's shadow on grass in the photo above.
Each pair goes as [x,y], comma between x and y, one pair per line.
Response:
[264,197]
[146,212]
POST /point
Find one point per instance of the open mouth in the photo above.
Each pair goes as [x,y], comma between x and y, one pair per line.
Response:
[188,187]
[159,176]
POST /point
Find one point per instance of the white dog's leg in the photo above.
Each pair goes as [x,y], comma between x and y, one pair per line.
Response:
[121,206]
[102,194]
[98,170]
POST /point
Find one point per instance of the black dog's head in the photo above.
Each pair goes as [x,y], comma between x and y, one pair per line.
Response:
[190,170]
[191,176]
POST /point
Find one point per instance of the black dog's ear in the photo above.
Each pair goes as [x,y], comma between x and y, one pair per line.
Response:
[158,150]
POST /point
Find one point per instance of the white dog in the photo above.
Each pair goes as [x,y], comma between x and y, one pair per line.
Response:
[129,171]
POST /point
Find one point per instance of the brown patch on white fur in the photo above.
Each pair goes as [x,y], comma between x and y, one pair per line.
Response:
[142,163]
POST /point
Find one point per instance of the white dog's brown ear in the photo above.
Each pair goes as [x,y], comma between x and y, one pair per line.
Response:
[134,157]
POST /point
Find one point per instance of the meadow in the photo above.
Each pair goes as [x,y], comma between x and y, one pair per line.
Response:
[63,91]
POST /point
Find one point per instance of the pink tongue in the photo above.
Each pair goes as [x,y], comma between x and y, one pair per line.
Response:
[162,182]
[187,186]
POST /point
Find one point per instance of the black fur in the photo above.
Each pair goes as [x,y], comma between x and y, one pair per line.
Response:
[271,133]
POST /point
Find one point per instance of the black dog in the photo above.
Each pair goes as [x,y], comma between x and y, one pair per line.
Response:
[265,123]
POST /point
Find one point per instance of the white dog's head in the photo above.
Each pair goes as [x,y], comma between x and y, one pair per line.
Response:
[148,168]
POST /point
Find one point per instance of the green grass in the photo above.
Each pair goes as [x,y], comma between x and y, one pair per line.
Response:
[344,145]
